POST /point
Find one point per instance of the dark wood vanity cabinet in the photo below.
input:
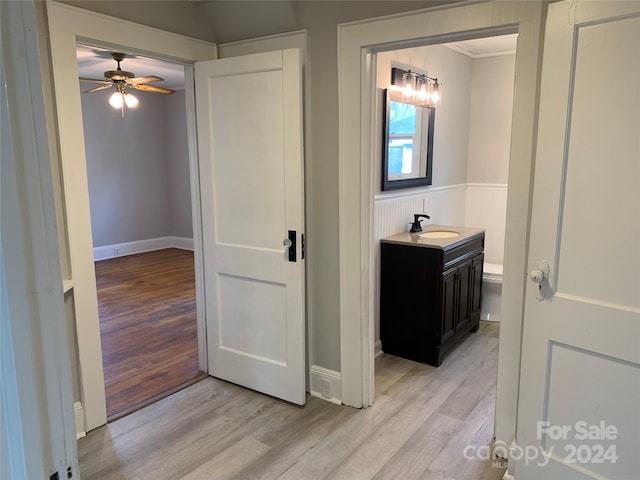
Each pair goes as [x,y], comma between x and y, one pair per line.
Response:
[429,297]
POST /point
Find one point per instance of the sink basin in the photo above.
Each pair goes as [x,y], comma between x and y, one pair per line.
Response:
[440,234]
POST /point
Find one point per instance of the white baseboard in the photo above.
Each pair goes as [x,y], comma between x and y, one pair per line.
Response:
[78,414]
[140,246]
[377,349]
[182,243]
[488,318]
[330,380]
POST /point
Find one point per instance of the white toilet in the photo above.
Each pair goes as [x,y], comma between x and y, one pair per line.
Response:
[491,292]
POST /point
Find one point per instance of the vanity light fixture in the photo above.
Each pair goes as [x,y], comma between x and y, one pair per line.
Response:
[416,88]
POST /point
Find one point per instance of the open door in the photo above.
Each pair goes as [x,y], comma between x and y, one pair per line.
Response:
[249,115]
[578,415]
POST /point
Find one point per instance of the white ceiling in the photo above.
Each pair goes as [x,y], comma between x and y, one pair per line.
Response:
[486,47]
[94,61]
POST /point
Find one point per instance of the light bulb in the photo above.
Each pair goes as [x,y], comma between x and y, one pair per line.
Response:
[130,100]
[116,100]
[435,96]
[423,95]
[408,80]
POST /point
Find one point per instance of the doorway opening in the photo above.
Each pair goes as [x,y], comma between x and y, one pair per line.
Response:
[471,155]
[141,222]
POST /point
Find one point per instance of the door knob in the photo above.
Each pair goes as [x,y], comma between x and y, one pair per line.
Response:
[538,276]
[287,243]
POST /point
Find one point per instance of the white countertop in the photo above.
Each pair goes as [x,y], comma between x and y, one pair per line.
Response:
[414,239]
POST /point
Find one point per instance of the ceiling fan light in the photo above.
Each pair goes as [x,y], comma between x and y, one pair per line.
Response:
[130,100]
[116,100]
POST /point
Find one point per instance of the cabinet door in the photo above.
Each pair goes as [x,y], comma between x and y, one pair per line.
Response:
[449,307]
[476,285]
[465,289]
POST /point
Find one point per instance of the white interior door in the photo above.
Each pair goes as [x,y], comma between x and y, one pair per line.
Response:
[578,411]
[249,112]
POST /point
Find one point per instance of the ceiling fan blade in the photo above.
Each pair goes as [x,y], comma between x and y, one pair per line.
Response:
[147,79]
[152,89]
[94,80]
[97,89]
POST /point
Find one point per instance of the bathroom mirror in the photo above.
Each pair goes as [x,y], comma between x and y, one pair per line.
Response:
[408,143]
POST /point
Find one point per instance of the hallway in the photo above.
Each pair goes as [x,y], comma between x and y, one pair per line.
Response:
[418,428]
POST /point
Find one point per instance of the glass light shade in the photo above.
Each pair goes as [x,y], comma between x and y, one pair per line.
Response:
[408,84]
[435,96]
[423,94]
[130,100]
[116,100]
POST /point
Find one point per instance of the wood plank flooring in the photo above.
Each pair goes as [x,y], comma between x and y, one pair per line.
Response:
[422,420]
[148,327]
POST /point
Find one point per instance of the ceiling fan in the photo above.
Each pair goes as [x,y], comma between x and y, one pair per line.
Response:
[122,79]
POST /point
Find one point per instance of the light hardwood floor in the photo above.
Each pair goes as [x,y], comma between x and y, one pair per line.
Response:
[422,420]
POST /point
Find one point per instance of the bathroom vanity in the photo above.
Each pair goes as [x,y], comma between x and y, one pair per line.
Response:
[430,290]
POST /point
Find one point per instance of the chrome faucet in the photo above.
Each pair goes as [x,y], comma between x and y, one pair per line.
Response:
[416,225]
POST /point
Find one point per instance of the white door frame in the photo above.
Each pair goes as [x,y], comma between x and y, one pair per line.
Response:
[36,429]
[67,26]
[357,44]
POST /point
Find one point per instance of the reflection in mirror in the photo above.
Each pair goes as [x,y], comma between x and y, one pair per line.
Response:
[408,143]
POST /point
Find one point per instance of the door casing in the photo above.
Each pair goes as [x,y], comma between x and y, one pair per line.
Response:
[68,25]
[357,45]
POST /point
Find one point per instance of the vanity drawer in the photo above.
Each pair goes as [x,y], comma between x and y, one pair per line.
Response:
[463,252]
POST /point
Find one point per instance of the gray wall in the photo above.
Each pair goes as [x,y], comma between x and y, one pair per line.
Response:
[473,122]
[178,180]
[321,20]
[230,21]
[136,168]
[451,129]
[490,119]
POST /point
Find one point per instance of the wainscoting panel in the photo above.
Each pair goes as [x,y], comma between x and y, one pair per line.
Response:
[486,207]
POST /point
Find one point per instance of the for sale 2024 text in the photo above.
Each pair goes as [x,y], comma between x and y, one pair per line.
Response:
[582,431]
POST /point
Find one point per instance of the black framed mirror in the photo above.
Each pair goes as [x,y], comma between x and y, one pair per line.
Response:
[408,143]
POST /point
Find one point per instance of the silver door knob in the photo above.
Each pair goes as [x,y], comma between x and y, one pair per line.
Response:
[287,243]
